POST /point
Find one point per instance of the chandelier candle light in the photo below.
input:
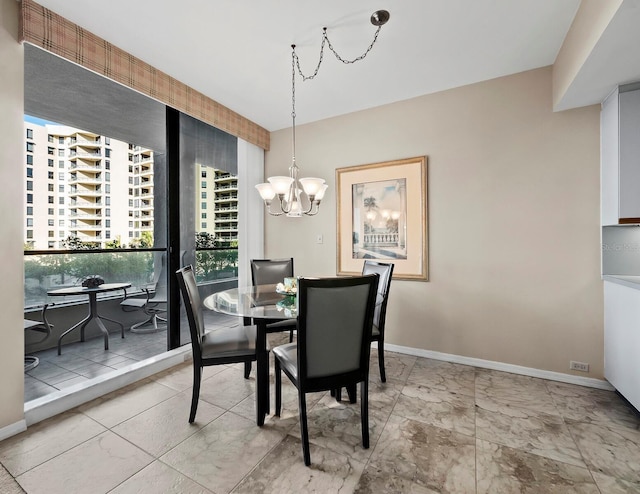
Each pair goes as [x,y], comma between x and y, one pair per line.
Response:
[289,189]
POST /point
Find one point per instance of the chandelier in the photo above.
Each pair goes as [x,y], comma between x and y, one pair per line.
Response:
[290,190]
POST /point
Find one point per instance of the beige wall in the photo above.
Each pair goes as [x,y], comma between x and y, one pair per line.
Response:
[11,217]
[513,219]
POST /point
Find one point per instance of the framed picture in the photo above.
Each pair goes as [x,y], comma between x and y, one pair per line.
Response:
[382,215]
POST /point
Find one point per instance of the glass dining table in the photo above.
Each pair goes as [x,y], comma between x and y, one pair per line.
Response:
[262,304]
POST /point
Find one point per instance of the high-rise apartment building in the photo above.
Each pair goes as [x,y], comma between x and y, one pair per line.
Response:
[100,190]
[217,209]
[84,185]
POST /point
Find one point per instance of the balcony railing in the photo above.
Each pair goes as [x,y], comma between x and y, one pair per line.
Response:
[47,271]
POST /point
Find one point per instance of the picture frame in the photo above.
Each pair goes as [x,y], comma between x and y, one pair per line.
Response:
[382,216]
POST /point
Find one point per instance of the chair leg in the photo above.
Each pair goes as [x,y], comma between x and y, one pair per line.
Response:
[364,412]
[278,373]
[304,430]
[351,392]
[247,369]
[338,394]
[291,336]
[197,375]
[383,376]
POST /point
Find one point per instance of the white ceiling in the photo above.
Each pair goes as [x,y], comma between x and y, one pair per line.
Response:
[238,52]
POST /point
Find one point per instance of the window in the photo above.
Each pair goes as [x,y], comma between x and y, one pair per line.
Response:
[107,223]
[50,175]
[203,205]
[107,141]
[29,184]
[50,199]
[107,201]
[50,187]
[49,210]
[60,200]
[107,189]
[60,211]
[60,140]
[61,164]
[29,198]
[204,173]
[107,212]
[29,133]
[61,152]
[61,176]
[60,222]
[203,184]
[30,147]
[107,153]
[52,245]
[61,189]
[29,159]
[130,234]
[50,150]
[50,222]
[131,224]
[50,138]
[61,233]
[130,192]
[203,216]
[130,203]
[50,162]
[107,234]
[29,221]
[30,210]
[29,172]
[107,177]
[203,225]
[203,195]
[51,234]
[107,165]
[29,233]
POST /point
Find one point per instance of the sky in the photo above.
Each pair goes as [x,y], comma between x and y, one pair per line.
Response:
[38,121]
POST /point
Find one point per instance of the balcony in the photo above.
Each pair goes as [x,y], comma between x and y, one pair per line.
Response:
[86,167]
[82,361]
[85,155]
[84,142]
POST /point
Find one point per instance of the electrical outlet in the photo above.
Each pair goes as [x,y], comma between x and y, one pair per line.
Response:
[319,238]
[579,366]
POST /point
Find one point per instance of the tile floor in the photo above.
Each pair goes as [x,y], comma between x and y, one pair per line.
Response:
[82,361]
[435,427]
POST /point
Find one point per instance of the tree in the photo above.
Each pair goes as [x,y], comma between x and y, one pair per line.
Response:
[74,243]
[145,241]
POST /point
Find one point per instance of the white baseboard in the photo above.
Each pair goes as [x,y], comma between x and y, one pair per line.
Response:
[514,369]
[13,429]
[73,396]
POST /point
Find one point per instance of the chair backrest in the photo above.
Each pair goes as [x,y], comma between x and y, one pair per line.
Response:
[270,271]
[385,271]
[335,317]
[193,306]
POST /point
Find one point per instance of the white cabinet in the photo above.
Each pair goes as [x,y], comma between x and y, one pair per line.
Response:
[622,340]
[620,156]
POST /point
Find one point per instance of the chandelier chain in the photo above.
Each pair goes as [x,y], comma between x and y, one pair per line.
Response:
[325,40]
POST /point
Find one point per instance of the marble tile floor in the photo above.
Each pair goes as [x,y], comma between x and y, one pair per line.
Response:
[82,361]
[435,427]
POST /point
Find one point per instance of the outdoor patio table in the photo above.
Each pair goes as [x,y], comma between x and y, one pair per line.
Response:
[93,309]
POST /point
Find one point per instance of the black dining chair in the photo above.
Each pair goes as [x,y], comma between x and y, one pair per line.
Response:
[335,317]
[385,271]
[271,272]
[220,346]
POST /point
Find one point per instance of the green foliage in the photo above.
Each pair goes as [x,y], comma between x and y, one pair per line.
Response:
[74,243]
[145,241]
